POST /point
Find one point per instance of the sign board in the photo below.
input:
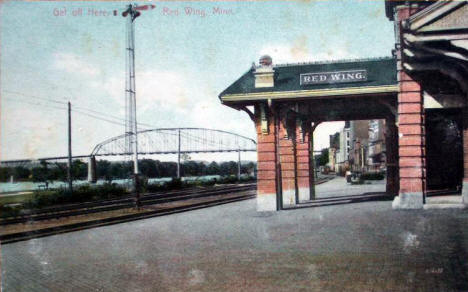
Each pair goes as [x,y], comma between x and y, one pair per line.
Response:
[334,77]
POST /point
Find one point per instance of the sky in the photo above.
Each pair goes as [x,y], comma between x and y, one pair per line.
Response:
[55,52]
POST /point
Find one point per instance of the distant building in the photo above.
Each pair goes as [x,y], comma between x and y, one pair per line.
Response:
[376,150]
[359,137]
[334,147]
[359,146]
[342,154]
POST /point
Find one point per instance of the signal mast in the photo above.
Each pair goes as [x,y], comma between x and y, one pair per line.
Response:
[131,138]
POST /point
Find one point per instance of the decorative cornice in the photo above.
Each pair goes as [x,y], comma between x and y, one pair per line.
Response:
[339,61]
[257,96]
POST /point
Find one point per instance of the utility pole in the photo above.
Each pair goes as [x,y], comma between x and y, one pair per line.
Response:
[69,172]
[178,158]
[238,165]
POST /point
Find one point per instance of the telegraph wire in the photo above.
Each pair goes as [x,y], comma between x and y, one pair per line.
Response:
[110,116]
[34,103]
[106,117]
[79,107]
[63,108]
[34,96]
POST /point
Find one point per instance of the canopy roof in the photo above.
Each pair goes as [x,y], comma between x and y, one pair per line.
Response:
[381,73]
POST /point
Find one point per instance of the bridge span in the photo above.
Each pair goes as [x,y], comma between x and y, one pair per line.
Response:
[160,141]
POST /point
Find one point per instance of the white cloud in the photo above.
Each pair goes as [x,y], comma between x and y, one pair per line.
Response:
[165,89]
[299,51]
[334,54]
[72,63]
[37,132]
[114,86]
[284,54]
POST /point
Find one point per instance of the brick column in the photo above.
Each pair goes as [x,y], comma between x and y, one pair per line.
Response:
[411,142]
[287,153]
[303,161]
[465,156]
[411,133]
[266,161]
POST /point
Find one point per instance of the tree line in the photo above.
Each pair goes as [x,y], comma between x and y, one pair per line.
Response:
[110,170]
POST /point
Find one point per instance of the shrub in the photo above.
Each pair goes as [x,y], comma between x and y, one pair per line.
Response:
[247,179]
[202,183]
[10,211]
[228,179]
[155,187]
[208,183]
[175,184]
[80,194]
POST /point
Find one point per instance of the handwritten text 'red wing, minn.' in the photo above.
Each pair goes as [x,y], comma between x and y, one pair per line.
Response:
[334,77]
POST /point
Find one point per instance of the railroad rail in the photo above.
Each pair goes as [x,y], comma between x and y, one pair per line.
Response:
[116,204]
[154,208]
[26,235]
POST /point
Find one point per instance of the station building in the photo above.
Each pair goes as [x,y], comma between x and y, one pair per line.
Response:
[420,92]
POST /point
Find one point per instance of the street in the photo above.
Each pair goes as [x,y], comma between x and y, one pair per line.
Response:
[339,187]
[353,247]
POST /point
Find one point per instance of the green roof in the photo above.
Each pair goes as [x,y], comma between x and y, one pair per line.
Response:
[380,72]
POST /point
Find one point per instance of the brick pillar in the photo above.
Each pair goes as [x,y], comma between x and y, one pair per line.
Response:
[287,155]
[411,133]
[411,142]
[465,156]
[302,161]
[266,160]
[391,145]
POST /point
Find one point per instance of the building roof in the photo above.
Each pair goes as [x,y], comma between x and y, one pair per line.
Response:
[391,4]
[380,72]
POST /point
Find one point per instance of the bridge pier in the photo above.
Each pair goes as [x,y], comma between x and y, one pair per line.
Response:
[92,176]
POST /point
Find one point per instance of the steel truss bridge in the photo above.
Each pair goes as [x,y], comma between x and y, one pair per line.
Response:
[177,140]
[162,141]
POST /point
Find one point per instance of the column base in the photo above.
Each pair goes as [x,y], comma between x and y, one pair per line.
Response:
[408,201]
[304,194]
[289,197]
[266,202]
[465,192]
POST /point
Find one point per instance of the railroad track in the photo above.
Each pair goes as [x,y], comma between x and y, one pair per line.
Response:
[25,235]
[128,202]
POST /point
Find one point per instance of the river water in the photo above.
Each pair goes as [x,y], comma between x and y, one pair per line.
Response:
[9,187]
